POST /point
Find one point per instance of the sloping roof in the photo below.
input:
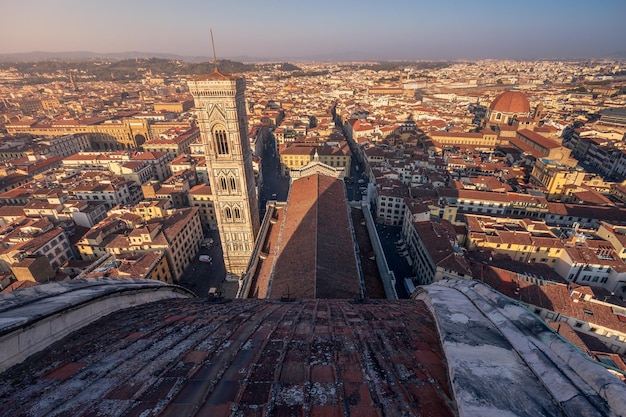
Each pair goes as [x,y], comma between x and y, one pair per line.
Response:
[437,238]
[183,357]
[542,141]
[186,358]
[315,250]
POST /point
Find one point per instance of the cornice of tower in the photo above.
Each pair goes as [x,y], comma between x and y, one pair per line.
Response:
[216,75]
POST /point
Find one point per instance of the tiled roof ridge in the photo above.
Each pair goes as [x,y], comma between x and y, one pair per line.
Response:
[576,386]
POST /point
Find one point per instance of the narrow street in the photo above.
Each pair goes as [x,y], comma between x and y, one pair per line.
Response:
[274,186]
[201,276]
[389,235]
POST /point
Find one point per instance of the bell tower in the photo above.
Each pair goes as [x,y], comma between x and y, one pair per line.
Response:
[221,113]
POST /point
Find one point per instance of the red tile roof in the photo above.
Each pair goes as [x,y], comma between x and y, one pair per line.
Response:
[180,357]
[554,296]
[536,138]
[315,249]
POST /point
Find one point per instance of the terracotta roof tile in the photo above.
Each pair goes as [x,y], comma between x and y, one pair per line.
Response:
[314,250]
[242,356]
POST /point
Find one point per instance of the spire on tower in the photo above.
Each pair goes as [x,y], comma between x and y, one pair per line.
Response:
[214,54]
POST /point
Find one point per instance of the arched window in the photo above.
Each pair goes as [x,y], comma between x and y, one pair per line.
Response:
[229,214]
[221,141]
[223,184]
[233,184]
[237,213]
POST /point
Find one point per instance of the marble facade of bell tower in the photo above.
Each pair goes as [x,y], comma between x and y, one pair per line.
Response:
[222,119]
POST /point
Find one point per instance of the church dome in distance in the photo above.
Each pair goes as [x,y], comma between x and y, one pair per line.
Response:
[510,102]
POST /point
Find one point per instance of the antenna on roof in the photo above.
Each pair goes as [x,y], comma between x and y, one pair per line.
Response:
[214,54]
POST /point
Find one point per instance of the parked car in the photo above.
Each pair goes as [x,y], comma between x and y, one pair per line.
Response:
[205,258]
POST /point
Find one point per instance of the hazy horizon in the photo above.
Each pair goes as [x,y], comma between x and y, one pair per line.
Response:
[401,30]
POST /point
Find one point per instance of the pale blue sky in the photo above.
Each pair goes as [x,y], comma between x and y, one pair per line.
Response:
[400,29]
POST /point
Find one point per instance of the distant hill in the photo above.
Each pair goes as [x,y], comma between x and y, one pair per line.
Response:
[80,56]
[100,69]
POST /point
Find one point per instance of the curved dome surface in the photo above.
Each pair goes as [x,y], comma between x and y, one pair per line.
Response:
[510,102]
[252,357]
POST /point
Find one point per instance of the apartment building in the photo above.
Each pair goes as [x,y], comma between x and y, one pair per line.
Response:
[139,172]
[32,238]
[178,234]
[592,262]
[390,206]
[144,265]
[201,197]
[85,214]
[508,204]
[523,240]
[175,189]
[359,128]
[435,253]
[195,163]
[109,191]
[147,210]
[555,177]
[173,142]
[616,235]
[116,162]
[605,155]
[585,216]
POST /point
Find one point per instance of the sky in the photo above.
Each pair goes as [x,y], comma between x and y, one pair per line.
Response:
[320,29]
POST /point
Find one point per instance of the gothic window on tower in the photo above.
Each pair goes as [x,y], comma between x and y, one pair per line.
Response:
[229,214]
[221,140]
[223,184]
[237,213]
[233,185]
